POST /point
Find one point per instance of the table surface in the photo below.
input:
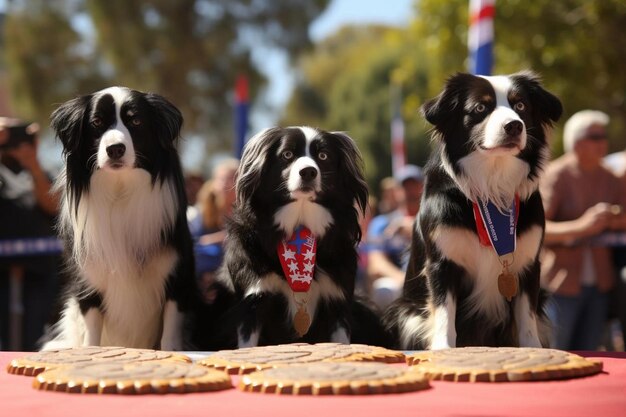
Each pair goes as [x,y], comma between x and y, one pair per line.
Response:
[601,395]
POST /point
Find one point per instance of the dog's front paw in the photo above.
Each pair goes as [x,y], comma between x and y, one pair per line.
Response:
[529,339]
[439,346]
[439,343]
[171,344]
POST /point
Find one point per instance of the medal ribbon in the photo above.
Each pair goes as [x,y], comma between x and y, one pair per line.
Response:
[495,228]
[297,258]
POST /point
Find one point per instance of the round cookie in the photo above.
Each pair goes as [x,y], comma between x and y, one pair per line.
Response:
[132,378]
[333,378]
[491,364]
[36,363]
[246,360]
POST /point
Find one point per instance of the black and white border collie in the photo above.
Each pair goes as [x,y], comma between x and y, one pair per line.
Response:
[289,177]
[491,135]
[128,248]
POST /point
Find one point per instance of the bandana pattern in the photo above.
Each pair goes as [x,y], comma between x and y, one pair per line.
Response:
[297,258]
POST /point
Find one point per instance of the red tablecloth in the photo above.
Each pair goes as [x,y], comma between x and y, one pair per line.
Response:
[600,395]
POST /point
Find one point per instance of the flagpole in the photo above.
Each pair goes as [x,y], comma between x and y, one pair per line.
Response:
[241,114]
[398,151]
[481,36]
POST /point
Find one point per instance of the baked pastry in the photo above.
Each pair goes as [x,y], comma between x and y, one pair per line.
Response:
[152,377]
[36,363]
[500,364]
[333,378]
[246,360]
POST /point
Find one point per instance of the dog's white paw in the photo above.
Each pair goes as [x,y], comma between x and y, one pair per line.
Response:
[171,344]
[439,343]
[529,339]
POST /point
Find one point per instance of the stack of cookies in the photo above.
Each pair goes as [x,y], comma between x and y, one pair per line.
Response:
[295,369]
[116,370]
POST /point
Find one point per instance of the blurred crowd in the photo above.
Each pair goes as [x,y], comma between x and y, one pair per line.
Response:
[583,259]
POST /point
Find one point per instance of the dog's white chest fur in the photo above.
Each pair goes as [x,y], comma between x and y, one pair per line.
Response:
[119,251]
[483,266]
[303,212]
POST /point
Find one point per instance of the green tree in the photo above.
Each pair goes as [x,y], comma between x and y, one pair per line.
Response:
[576,46]
[43,59]
[345,85]
[191,51]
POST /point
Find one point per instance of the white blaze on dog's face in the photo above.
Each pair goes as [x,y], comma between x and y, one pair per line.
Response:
[115,149]
[303,175]
[503,131]
[493,133]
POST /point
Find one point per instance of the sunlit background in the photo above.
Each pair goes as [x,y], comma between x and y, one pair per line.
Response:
[336,64]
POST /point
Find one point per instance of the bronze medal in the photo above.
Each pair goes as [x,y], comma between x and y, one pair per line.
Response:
[302,321]
[507,284]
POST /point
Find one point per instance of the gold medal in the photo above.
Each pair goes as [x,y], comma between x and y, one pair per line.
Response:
[507,283]
[302,320]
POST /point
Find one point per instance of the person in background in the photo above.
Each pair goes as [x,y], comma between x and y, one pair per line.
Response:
[390,195]
[582,199]
[362,283]
[193,183]
[389,238]
[616,162]
[28,282]
[214,204]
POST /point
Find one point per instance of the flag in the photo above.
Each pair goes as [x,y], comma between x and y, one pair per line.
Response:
[481,35]
[398,153]
[241,114]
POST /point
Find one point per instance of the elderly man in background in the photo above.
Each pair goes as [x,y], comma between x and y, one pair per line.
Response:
[582,199]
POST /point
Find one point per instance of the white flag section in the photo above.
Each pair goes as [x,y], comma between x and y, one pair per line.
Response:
[481,36]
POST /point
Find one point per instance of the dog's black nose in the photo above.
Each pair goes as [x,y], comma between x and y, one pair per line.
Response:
[308,173]
[514,128]
[116,151]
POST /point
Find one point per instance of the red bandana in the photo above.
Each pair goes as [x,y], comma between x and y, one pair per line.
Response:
[297,257]
[483,235]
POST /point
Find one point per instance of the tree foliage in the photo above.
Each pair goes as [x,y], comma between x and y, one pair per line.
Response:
[575,45]
[191,51]
[44,60]
[345,85]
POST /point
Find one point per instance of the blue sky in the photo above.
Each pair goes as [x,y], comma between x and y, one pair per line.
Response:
[341,12]
[338,14]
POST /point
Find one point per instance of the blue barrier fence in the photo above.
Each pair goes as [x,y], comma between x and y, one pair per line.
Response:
[30,247]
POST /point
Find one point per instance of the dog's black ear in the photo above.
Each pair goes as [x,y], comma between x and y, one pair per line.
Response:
[547,107]
[68,119]
[167,116]
[253,161]
[352,167]
[439,109]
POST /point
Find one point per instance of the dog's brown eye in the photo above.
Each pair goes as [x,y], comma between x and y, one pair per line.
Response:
[322,156]
[135,121]
[480,108]
[96,122]
[520,106]
[287,155]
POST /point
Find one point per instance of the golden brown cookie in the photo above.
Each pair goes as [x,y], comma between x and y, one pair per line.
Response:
[333,378]
[490,364]
[246,360]
[36,363]
[132,378]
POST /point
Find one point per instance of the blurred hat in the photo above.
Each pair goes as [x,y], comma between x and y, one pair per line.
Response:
[576,127]
[409,172]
